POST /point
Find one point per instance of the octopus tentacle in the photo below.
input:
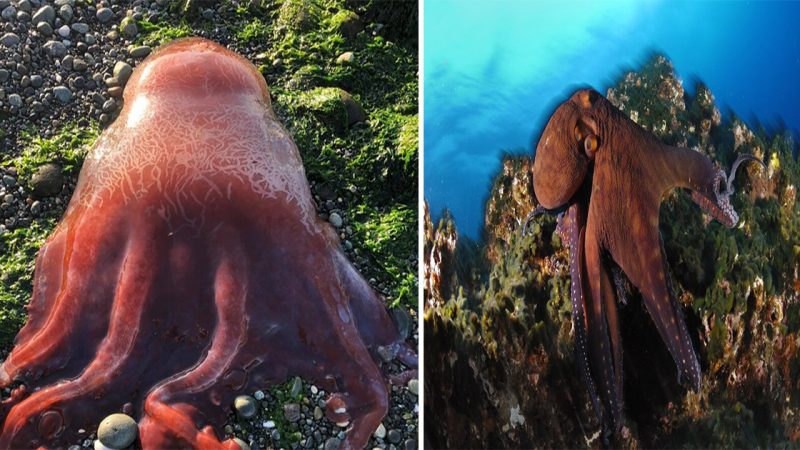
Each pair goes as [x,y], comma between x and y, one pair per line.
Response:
[572,226]
[167,424]
[131,293]
[603,337]
[642,259]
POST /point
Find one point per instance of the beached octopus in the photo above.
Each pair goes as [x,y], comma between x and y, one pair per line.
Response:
[607,175]
[189,267]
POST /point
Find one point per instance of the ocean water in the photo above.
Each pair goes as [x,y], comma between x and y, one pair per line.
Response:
[494,71]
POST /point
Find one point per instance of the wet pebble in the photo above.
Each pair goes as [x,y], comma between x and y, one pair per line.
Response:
[245,406]
[44,14]
[117,431]
[336,220]
[62,93]
[394,436]
[9,39]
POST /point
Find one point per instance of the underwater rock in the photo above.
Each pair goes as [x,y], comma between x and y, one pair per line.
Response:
[499,353]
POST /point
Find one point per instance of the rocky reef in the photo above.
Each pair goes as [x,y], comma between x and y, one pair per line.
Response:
[499,358]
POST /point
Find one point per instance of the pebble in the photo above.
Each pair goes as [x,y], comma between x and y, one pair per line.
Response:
[413,386]
[15,100]
[380,432]
[108,106]
[292,412]
[65,12]
[140,51]
[270,424]
[117,431]
[345,58]
[115,91]
[8,13]
[9,39]
[297,387]
[24,5]
[245,406]
[47,180]
[259,395]
[9,181]
[63,31]
[394,436]
[336,220]
[122,71]
[80,27]
[44,14]
[44,28]
[36,208]
[36,81]
[242,444]
[23,16]
[56,49]
[62,93]
[410,444]
[317,413]
[332,444]
[79,65]
[128,28]
[104,15]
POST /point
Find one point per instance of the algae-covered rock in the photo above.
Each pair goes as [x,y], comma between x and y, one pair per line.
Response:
[335,107]
[499,353]
[297,15]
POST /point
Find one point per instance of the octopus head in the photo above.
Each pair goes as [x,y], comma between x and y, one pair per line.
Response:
[197,68]
[565,150]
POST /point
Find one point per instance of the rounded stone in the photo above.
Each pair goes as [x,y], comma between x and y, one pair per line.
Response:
[128,28]
[55,49]
[44,28]
[80,27]
[117,431]
[345,58]
[47,181]
[332,444]
[242,444]
[63,31]
[245,406]
[15,100]
[140,51]
[44,14]
[336,220]
[62,93]
[122,71]
[104,15]
[394,436]
[9,39]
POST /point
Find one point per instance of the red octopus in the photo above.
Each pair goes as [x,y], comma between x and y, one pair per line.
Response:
[608,175]
[191,266]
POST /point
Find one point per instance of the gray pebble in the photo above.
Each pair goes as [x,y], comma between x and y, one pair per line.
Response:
[66,63]
[292,412]
[62,93]
[36,208]
[47,181]
[15,100]
[336,220]
[208,14]
[117,431]
[317,413]
[4,74]
[104,15]
[63,31]
[394,436]
[297,387]
[45,14]
[245,406]
[80,27]
[36,81]
[9,181]
[24,5]
[109,105]
[66,13]
[410,444]
[140,51]
[332,444]
[56,49]
[90,39]
[9,13]
[4,4]
[79,65]
[44,28]
[128,28]
[413,386]
[23,16]
[122,71]
[9,39]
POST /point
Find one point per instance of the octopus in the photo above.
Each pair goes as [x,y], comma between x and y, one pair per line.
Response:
[605,176]
[189,266]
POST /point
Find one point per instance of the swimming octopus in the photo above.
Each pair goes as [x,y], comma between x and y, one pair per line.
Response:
[189,267]
[606,176]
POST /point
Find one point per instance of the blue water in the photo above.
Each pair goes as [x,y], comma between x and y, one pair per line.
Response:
[495,70]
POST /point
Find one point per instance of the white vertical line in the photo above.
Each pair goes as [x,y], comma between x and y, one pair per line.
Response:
[420,226]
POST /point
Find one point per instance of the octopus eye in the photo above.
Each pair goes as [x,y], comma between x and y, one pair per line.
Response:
[590,144]
[578,133]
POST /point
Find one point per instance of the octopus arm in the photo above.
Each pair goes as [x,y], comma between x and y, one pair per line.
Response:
[641,258]
[603,324]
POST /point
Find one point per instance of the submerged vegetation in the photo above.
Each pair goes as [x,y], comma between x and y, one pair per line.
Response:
[501,312]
